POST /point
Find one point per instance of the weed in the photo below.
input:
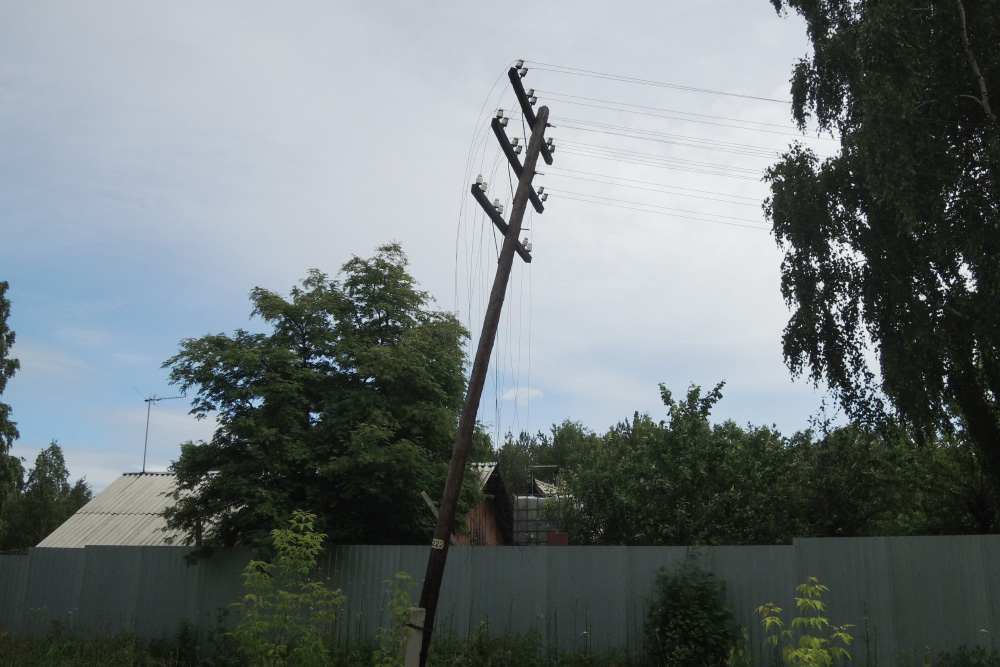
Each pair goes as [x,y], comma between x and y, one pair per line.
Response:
[809,649]
[291,625]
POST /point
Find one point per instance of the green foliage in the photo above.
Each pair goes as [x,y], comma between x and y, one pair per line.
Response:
[11,471]
[809,648]
[347,408]
[685,481]
[290,624]
[392,639]
[891,244]
[482,648]
[977,656]
[515,649]
[561,451]
[677,482]
[57,648]
[689,622]
[740,654]
[8,366]
[857,482]
[41,503]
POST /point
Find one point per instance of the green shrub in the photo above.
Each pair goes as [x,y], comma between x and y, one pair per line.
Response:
[809,649]
[978,656]
[291,625]
[392,639]
[689,623]
[481,648]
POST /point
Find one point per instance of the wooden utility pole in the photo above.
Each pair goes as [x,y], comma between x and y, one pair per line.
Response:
[467,421]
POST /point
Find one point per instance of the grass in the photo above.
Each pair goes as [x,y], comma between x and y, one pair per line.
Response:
[511,649]
[480,649]
[108,651]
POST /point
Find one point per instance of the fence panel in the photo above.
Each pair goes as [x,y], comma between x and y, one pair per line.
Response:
[52,589]
[13,581]
[901,593]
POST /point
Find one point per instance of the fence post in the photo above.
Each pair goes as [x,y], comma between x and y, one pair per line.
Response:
[414,638]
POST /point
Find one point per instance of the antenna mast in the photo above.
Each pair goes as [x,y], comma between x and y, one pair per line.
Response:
[149,405]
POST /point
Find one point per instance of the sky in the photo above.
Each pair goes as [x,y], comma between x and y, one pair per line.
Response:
[160,160]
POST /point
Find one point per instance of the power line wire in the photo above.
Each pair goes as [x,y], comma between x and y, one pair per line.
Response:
[669,215]
[661,166]
[665,208]
[649,108]
[664,189]
[668,138]
[695,120]
[644,158]
[561,69]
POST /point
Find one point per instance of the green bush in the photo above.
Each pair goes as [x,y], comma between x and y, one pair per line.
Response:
[811,647]
[291,624]
[689,623]
[392,639]
[978,656]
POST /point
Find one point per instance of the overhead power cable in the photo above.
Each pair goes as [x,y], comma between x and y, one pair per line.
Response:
[709,217]
[786,132]
[644,158]
[645,82]
[670,138]
[655,165]
[645,208]
[667,138]
[565,99]
[659,187]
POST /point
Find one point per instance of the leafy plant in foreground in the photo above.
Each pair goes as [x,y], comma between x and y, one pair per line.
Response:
[689,624]
[809,650]
[287,625]
[392,639]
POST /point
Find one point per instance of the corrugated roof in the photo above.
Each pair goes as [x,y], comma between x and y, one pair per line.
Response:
[484,470]
[546,489]
[125,513]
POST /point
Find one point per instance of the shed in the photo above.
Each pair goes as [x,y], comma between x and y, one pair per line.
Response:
[491,522]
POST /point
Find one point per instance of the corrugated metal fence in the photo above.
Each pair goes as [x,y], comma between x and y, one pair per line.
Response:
[916,592]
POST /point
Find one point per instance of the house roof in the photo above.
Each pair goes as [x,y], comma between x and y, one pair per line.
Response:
[545,488]
[492,484]
[484,470]
[127,512]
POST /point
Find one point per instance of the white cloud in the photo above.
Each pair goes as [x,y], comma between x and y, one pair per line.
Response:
[522,395]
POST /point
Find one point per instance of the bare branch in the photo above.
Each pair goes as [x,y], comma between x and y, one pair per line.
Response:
[985,100]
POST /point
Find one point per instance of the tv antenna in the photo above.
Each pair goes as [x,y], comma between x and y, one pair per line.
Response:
[149,405]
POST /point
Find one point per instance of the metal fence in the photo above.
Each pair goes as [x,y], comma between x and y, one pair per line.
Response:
[918,594]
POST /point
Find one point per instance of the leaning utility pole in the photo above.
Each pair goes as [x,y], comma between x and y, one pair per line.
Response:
[467,421]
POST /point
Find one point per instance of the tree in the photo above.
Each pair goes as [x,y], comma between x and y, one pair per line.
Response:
[686,481]
[41,502]
[560,451]
[852,481]
[891,245]
[678,482]
[346,409]
[11,471]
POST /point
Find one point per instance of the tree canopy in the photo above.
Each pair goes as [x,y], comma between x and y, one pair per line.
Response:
[892,244]
[8,366]
[40,502]
[10,466]
[687,481]
[346,408]
[546,456]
